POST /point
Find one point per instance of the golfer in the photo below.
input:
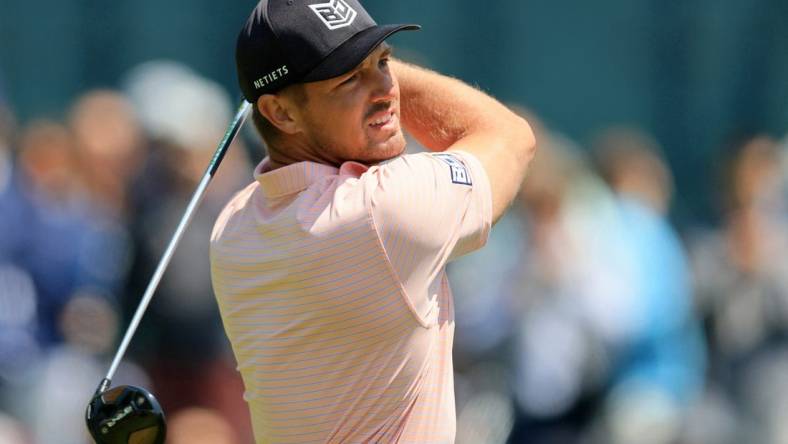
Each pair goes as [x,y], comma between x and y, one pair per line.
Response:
[329,269]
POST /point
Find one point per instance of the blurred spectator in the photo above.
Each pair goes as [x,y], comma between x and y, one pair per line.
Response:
[743,293]
[51,222]
[110,148]
[483,285]
[660,372]
[605,351]
[62,264]
[69,244]
[12,206]
[185,116]
[19,349]
[7,134]
[630,162]
[558,358]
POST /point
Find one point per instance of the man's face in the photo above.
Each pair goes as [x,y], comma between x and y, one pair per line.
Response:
[356,116]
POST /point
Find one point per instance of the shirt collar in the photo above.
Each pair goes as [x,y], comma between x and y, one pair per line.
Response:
[297,177]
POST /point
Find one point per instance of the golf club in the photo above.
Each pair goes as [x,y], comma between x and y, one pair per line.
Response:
[128,414]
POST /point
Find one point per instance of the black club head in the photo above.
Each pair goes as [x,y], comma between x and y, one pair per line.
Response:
[126,415]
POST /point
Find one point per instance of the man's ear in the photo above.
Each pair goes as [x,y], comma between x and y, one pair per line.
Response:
[279,111]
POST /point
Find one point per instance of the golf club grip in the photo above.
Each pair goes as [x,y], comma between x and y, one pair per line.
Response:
[229,136]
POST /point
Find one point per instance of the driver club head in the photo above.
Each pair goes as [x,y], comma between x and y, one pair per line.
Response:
[126,415]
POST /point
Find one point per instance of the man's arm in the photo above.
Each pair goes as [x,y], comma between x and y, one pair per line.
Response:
[445,114]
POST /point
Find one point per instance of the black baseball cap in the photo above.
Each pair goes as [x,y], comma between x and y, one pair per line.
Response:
[294,41]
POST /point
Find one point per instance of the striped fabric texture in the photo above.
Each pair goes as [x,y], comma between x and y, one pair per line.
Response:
[332,288]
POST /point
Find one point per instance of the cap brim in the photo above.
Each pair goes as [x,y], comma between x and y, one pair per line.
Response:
[351,53]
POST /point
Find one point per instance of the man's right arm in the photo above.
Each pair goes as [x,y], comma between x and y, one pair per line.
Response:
[444,114]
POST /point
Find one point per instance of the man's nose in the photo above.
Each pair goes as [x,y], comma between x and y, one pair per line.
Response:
[384,86]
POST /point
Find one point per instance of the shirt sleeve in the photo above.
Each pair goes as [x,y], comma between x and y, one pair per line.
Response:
[428,209]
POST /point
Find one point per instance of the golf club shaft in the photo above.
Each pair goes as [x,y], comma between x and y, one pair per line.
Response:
[229,136]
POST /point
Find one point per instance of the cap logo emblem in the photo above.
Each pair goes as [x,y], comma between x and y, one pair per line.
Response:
[335,14]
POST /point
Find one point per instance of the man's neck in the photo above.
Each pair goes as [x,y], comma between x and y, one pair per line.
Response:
[284,152]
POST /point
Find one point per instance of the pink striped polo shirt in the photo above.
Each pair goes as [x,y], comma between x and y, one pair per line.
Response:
[332,288]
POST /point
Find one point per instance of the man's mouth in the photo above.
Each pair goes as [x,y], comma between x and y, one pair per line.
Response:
[382,119]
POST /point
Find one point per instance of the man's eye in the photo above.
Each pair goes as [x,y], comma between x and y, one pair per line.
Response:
[350,79]
[384,62]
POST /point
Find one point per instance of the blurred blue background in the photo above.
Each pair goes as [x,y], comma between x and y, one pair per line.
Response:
[635,293]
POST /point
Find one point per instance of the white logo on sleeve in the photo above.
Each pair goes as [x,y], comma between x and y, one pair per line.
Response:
[458,170]
[335,14]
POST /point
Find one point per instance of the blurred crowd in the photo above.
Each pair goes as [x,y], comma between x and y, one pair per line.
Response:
[588,318]
[591,318]
[89,202]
